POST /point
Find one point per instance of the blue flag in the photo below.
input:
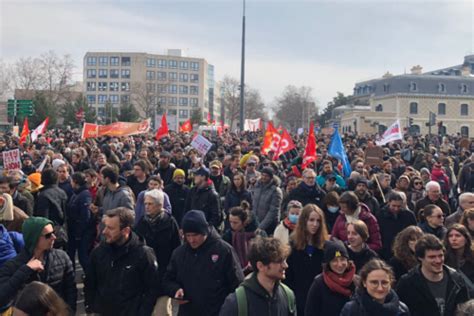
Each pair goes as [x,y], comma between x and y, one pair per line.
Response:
[336,150]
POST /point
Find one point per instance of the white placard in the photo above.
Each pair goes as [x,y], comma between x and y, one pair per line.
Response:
[11,160]
[201,144]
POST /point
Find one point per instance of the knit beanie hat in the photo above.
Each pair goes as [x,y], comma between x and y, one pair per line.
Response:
[32,229]
[195,222]
[268,170]
[333,249]
[362,180]
[178,172]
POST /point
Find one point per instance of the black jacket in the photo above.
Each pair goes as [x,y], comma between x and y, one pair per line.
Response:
[322,301]
[362,257]
[206,274]
[371,202]
[443,205]
[390,225]
[22,203]
[363,305]
[207,200]
[122,280]
[177,194]
[259,302]
[413,290]
[51,203]
[79,218]
[58,273]
[161,234]
[302,269]
[306,195]
[234,198]
[166,174]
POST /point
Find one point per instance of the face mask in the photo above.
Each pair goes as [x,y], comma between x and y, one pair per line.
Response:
[293,218]
[333,209]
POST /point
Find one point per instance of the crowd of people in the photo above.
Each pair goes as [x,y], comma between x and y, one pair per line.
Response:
[156,225]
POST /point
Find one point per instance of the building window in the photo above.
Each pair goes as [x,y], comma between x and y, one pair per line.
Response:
[91,73]
[183,101]
[150,87]
[103,61]
[183,77]
[173,101]
[465,131]
[150,75]
[194,78]
[114,73]
[114,61]
[464,109]
[114,86]
[173,64]
[102,98]
[194,66]
[91,86]
[415,129]
[102,73]
[386,87]
[183,90]
[194,90]
[125,61]
[125,98]
[91,61]
[413,108]
[161,101]
[172,112]
[173,76]
[102,86]
[173,89]
[441,87]
[183,65]
[442,109]
[464,88]
[183,113]
[126,73]
[151,62]
[91,98]
[125,86]
[161,75]
[442,130]
[413,86]
[379,108]
[162,88]
[114,98]
[162,63]
[194,102]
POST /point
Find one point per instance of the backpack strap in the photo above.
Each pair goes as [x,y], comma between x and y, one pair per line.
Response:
[290,296]
[241,301]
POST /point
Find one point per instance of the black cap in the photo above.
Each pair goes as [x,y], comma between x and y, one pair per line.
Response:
[268,170]
[333,249]
[195,222]
[202,172]
[363,181]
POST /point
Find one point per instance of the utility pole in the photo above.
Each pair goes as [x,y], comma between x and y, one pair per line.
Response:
[242,73]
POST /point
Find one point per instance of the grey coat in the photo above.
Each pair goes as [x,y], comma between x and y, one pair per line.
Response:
[266,202]
[120,197]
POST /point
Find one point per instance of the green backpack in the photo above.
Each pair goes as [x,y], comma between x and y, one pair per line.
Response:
[242,306]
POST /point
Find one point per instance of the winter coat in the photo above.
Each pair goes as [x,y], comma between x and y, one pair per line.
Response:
[443,205]
[321,179]
[120,197]
[307,195]
[438,231]
[363,305]
[466,177]
[266,204]
[371,202]
[122,280]
[205,199]
[259,302]
[51,203]
[390,225]
[234,198]
[302,269]
[79,218]
[222,185]
[177,194]
[58,273]
[161,234]
[166,174]
[10,244]
[206,274]
[22,203]
[413,291]
[374,242]
[322,301]
[140,205]
[454,218]
[362,257]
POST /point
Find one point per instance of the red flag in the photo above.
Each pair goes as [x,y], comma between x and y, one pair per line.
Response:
[310,150]
[268,138]
[163,131]
[25,132]
[208,118]
[186,126]
[286,144]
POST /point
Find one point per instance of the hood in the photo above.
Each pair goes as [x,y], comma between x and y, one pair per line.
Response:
[252,284]
[32,229]
[6,211]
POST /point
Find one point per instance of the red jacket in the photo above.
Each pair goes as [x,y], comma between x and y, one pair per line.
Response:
[374,242]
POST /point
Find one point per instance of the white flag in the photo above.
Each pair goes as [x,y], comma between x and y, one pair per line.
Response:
[39,130]
[392,134]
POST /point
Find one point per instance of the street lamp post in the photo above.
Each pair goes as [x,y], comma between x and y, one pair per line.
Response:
[242,73]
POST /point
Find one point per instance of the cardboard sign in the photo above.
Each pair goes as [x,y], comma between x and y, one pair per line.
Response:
[11,160]
[201,144]
[374,156]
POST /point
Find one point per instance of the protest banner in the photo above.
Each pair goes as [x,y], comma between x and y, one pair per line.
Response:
[201,144]
[11,159]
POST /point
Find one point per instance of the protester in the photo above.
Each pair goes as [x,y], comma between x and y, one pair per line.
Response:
[466,201]
[331,209]
[404,258]
[237,193]
[432,219]
[288,224]
[433,196]
[459,251]
[467,220]
[40,299]
[153,183]
[178,193]
[359,252]
[308,191]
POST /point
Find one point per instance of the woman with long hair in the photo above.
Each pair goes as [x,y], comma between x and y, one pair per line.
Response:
[375,295]
[359,252]
[307,243]
[288,224]
[404,258]
[238,192]
[459,251]
[331,208]
[40,299]
[432,221]
[467,219]
[416,191]
[332,288]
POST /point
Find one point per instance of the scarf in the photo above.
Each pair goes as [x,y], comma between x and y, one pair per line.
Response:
[353,217]
[340,283]
[240,242]
[389,308]
[6,211]
[288,224]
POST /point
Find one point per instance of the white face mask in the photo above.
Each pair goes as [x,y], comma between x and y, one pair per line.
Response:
[333,209]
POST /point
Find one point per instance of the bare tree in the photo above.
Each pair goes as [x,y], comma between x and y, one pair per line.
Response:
[27,74]
[295,107]
[56,75]
[254,106]
[6,81]
[144,99]
[230,99]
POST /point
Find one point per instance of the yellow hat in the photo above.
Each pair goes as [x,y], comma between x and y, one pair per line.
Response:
[243,160]
[178,172]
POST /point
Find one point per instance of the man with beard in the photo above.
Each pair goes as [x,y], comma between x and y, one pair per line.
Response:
[466,201]
[122,275]
[221,182]
[165,169]
[27,164]
[364,195]
[180,161]
[178,193]
[327,170]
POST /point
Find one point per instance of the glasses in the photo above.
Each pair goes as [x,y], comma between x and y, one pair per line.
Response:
[418,183]
[251,164]
[373,283]
[438,216]
[48,235]
[310,178]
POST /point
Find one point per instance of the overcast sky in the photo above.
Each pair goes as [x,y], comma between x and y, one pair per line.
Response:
[327,45]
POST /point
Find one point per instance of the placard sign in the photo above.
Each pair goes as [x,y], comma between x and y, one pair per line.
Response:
[374,156]
[201,144]
[11,160]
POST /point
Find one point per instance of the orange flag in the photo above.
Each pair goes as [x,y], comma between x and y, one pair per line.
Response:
[310,151]
[286,144]
[25,132]
[163,131]
[186,127]
[268,138]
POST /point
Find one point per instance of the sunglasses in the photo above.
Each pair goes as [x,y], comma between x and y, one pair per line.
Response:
[417,183]
[48,235]
[438,216]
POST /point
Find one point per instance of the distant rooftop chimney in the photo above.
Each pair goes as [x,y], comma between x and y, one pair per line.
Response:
[387,75]
[466,70]
[416,70]
[176,52]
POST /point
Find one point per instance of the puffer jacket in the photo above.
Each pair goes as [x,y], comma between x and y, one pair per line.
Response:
[266,205]
[79,217]
[51,203]
[10,242]
[120,197]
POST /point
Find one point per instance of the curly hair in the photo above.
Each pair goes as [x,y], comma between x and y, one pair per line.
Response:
[400,248]
[300,235]
[267,250]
